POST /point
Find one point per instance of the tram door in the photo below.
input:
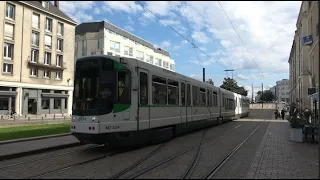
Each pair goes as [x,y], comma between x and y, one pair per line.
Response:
[144,100]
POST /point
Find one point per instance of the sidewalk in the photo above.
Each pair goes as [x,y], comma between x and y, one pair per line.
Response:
[17,149]
[278,157]
[34,120]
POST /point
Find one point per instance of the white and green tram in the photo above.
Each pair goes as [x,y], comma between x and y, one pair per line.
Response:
[125,101]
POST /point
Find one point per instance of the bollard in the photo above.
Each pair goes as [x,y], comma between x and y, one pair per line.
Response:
[28,118]
[25,116]
[54,116]
[42,118]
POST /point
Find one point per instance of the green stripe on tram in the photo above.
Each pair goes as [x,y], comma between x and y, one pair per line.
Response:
[120,107]
[118,65]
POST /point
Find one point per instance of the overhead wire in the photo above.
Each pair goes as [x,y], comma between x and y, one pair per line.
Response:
[192,43]
[239,36]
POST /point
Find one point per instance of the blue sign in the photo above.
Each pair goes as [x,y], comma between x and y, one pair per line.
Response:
[307,40]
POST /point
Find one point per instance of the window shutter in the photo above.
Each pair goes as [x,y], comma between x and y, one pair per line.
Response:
[8,29]
[35,20]
[47,40]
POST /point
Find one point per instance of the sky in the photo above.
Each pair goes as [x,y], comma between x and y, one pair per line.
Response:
[255,43]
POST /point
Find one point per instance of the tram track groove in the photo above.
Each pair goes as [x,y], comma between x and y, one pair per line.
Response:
[49,157]
[229,155]
[179,154]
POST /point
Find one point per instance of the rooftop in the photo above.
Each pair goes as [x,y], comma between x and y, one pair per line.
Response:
[97,26]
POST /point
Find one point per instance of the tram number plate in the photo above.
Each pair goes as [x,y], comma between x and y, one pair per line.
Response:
[113,127]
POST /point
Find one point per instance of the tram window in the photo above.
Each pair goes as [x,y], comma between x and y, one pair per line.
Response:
[195,95]
[159,90]
[143,88]
[208,99]
[173,92]
[124,87]
[183,91]
[215,99]
[107,64]
[203,96]
[223,99]
[188,95]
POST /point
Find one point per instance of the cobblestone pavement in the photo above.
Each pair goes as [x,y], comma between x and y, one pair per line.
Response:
[19,147]
[278,157]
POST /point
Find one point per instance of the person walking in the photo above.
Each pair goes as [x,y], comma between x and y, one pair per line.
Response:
[276,114]
[282,113]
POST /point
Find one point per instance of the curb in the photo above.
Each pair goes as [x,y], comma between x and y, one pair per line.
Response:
[33,138]
[32,152]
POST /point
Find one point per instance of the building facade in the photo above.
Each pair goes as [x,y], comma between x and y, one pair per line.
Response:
[96,38]
[37,58]
[304,55]
[282,90]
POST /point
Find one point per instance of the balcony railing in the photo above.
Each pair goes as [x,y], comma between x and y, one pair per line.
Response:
[46,66]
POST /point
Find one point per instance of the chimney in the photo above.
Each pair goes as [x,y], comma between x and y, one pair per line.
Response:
[56,4]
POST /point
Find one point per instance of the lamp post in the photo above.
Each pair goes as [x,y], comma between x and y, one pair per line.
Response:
[318,84]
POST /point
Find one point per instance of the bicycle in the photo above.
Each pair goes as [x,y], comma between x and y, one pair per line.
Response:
[11,115]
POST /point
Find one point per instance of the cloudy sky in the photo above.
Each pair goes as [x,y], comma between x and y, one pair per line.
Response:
[266,29]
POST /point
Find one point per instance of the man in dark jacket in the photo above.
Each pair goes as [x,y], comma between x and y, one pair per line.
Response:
[282,113]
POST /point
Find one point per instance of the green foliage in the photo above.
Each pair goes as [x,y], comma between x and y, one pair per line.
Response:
[266,96]
[33,131]
[295,122]
[210,82]
[231,85]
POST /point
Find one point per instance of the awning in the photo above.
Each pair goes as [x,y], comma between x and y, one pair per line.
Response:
[314,96]
[54,95]
[8,93]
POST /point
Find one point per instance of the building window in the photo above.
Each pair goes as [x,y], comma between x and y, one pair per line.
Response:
[8,51]
[10,11]
[60,45]
[57,103]
[128,51]
[115,46]
[34,55]
[35,38]
[140,55]
[47,41]
[45,4]
[34,72]
[84,47]
[9,31]
[46,74]
[49,24]
[58,75]
[59,61]
[35,20]
[149,59]
[45,103]
[60,29]
[7,68]
[100,43]
[4,103]
[166,64]
[158,62]
[47,58]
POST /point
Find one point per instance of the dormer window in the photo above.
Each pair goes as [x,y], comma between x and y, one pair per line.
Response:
[45,4]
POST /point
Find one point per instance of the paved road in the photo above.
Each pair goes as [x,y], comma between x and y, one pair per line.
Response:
[269,153]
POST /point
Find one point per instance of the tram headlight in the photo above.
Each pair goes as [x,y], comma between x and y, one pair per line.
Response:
[93,118]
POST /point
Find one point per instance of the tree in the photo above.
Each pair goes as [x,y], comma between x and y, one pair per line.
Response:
[267,96]
[210,82]
[231,85]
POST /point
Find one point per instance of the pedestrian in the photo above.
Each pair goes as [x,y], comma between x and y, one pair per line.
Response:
[282,113]
[276,114]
